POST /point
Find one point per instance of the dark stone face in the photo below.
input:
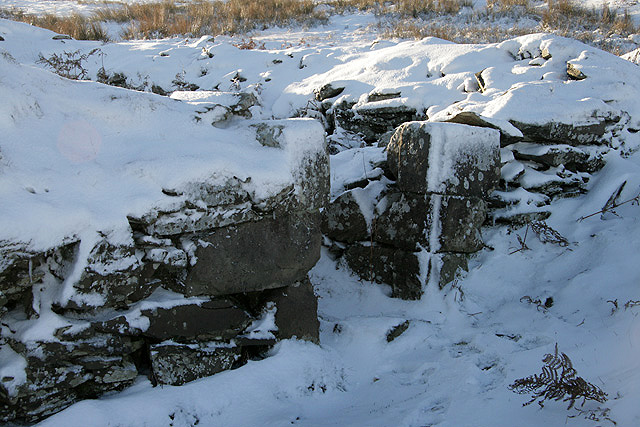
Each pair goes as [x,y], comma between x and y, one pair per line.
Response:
[383,264]
[473,119]
[573,158]
[408,223]
[253,256]
[594,133]
[212,320]
[374,122]
[296,311]
[343,220]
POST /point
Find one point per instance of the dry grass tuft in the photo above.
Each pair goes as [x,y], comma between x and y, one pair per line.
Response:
[213,17]
[76,26]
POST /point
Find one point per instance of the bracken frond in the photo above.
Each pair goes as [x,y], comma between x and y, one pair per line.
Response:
[558,381]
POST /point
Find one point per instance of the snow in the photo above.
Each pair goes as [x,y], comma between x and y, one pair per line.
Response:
[78,157]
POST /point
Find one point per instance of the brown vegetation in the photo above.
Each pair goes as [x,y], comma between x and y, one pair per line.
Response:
[402,18]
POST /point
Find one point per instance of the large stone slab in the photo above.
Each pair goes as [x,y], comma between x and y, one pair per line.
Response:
[208,321]
[594,131]
[445,158]
[271,253]
[373,119]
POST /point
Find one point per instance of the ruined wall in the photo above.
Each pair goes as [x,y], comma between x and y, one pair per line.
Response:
[201,288]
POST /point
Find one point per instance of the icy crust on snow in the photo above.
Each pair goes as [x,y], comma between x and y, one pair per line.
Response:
[79,157]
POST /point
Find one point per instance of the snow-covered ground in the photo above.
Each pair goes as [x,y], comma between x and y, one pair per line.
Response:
[464,345]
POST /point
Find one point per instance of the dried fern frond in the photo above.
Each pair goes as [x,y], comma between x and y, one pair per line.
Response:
[558,381]
[546,234]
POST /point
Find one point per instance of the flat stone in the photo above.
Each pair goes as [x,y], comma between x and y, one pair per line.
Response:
[594,131]
[446,158]
[508,134]
[214,320]
[573,158]
[176,364]
[271,253]
[372,121]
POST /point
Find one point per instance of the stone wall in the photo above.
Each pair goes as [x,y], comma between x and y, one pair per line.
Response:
[200,288]
[428,218]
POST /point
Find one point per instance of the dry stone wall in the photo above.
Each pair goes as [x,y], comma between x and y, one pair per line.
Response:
[200,288]
[428,219]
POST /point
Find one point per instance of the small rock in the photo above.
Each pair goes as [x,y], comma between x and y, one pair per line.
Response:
[574,72]
[397,330]
[325,92]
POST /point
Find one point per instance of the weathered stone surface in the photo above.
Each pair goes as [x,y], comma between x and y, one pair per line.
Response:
[382,96]
[446,158]
[573,158]
[343,220]
[196,220]
[268,135]
[383,264]
[297,311]
[253,256]
[176,364]
[594,131]
[59,373]
[327,91]
[311,174]
[449,266]
[213,320]
[507,136]
[574,72]
[520,218]
[433,222]
[371,120]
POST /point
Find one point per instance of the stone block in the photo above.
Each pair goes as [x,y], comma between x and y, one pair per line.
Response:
[445,158]
[209,321]
[433,222]
[382,264]
[373,119]
[271,253]
[343,220]
[297,311]
[176,364]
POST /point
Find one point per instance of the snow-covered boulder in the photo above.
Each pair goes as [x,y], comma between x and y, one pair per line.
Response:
[445,158]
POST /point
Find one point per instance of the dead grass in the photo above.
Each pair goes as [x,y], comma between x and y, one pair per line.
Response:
[401,18]
[454,33]
[212,17]
[76,26]
[402,8]
[568,18]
